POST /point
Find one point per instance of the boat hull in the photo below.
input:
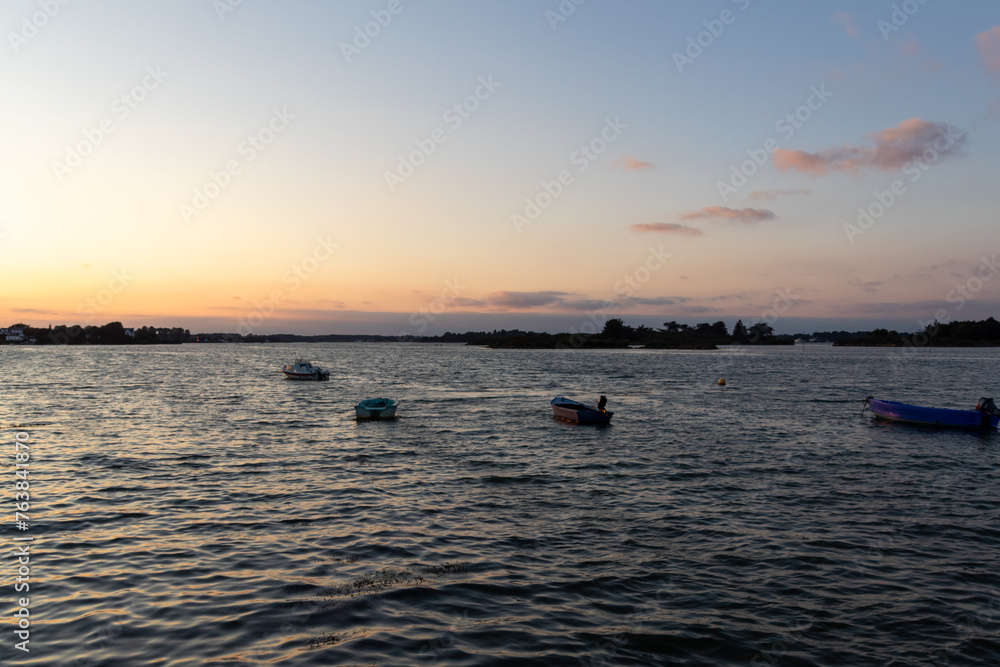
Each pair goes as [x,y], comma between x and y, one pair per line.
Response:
[915,414]
[304,376]
[303,370]
[571,411]
[377,408]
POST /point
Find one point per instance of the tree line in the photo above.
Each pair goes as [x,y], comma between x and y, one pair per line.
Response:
[960,333]
[617,334]
[112,333]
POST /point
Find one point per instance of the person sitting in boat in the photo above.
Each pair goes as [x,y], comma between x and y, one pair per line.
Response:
[601,402]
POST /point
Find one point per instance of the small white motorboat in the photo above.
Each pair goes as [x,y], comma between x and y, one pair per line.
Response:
[376,408]
[303,370]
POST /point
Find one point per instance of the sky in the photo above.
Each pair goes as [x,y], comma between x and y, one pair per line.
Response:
[415,167]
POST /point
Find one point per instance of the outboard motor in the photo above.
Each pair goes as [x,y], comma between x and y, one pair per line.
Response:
[987,408]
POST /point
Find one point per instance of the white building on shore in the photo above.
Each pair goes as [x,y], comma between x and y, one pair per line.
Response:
[13,334]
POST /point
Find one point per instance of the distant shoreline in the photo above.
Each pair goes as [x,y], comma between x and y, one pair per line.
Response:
[615,335]
[527,347]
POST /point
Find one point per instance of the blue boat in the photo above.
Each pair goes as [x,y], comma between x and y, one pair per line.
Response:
[985,416]
[571,411]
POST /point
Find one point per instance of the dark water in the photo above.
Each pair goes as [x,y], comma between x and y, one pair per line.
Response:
[191,507]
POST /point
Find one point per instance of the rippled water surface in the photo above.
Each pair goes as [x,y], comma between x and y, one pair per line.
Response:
[192,507]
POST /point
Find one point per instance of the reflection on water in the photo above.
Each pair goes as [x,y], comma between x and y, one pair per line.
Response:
[191,506]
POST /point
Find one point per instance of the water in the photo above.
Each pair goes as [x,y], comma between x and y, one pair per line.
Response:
[191,507]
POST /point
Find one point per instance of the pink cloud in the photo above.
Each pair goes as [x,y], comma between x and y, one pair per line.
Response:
[748,215]
[893,147]
[758,195]
[910,48]
[667,228]
[799,160]
[847,21]
[988,45]
[629,163]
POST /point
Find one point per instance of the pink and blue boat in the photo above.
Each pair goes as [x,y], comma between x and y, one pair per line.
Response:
[985,416]
[572,411]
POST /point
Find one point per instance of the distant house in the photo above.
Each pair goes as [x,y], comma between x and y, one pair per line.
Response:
[130,332]
[14,335]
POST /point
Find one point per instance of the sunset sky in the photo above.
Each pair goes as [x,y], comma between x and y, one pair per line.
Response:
[414,167]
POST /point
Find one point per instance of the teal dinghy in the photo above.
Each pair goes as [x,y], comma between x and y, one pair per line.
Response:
[376,408]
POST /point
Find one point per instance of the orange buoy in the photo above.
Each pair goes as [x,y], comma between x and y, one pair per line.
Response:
[722,382]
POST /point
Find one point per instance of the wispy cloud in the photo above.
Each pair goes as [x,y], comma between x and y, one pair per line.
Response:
[555,301]
[34,311]
[847,22]
[949,267]
[332,303]
[988,45]
[463,302]
[746,215]
[505,299]
[666,228]
[868,286]
[629,163]
[585,305]
[658,300]
[892,148]
[760,195]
